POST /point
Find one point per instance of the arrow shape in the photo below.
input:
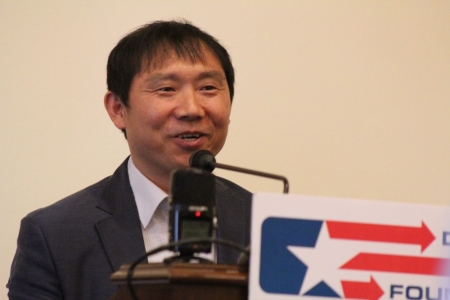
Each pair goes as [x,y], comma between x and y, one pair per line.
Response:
[398,264]
[381,233]
[362,290]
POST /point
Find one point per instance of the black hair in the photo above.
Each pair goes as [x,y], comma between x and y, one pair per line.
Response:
[152,44]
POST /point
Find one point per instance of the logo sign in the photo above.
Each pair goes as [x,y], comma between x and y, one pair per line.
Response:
[321,248]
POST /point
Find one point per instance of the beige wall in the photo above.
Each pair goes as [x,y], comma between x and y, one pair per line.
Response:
[345,98]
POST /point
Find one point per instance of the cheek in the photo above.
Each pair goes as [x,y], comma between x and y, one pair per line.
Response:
[220,138]
[221,115]
[155,117]
[221,122]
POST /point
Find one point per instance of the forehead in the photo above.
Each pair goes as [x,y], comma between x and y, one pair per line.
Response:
[165,58]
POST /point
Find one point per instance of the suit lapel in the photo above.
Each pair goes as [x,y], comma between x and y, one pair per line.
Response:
[121,233]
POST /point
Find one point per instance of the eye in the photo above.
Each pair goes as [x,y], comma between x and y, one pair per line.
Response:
[209,88]
[166,89]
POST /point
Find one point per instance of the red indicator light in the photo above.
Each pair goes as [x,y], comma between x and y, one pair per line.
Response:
[198,214]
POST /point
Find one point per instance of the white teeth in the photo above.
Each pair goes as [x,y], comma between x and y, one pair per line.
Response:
[189,136]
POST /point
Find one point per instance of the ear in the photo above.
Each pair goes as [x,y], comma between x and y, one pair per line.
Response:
[116,109]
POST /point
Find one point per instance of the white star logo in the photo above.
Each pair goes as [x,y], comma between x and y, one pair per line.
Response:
[323,261]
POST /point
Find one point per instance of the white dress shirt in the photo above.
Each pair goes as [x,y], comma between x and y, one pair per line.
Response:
[148,196]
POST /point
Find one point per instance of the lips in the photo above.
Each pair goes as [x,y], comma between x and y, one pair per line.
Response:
[191,140]
[190,137]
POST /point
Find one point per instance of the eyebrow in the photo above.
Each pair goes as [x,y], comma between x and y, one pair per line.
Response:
[212,74]
[155,78]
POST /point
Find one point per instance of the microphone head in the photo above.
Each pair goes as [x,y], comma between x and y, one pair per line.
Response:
[203,159]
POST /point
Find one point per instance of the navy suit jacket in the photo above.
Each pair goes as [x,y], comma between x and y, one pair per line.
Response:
[70,249]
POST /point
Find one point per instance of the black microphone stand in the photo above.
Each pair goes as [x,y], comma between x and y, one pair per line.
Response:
[204,159]
[257,173]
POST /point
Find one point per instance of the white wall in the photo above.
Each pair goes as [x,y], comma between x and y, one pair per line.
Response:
[345,98]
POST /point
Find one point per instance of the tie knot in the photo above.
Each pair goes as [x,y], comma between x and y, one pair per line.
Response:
[164,204]
[161,213]
[157,231]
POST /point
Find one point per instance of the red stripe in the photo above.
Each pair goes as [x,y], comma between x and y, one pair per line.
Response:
[381,233]
[398,264]
[362,290]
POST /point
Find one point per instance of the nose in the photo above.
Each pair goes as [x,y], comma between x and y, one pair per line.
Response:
[189,106]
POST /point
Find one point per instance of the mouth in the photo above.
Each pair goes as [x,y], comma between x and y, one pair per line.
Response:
[190,137]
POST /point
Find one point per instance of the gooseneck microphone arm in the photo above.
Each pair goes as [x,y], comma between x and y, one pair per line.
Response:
[203,159]
[257,173]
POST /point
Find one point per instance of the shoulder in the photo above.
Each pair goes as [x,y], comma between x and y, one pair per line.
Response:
[226,186]
[231,195]
[70,206]
[92,200]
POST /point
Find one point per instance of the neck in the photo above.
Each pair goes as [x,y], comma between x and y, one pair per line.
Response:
[162,184]
[160,180]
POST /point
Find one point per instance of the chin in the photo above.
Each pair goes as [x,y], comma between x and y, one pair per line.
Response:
[183,162]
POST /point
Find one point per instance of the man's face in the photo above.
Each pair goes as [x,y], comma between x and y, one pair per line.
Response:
[174,110]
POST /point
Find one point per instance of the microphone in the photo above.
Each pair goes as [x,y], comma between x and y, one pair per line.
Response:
[192,209]
[205,160]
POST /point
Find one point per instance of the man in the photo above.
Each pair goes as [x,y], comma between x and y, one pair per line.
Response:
[170,87]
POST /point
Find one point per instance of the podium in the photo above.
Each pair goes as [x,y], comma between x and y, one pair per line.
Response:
[183,281]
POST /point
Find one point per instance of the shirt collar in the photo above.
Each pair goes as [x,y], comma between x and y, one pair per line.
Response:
[146,194]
